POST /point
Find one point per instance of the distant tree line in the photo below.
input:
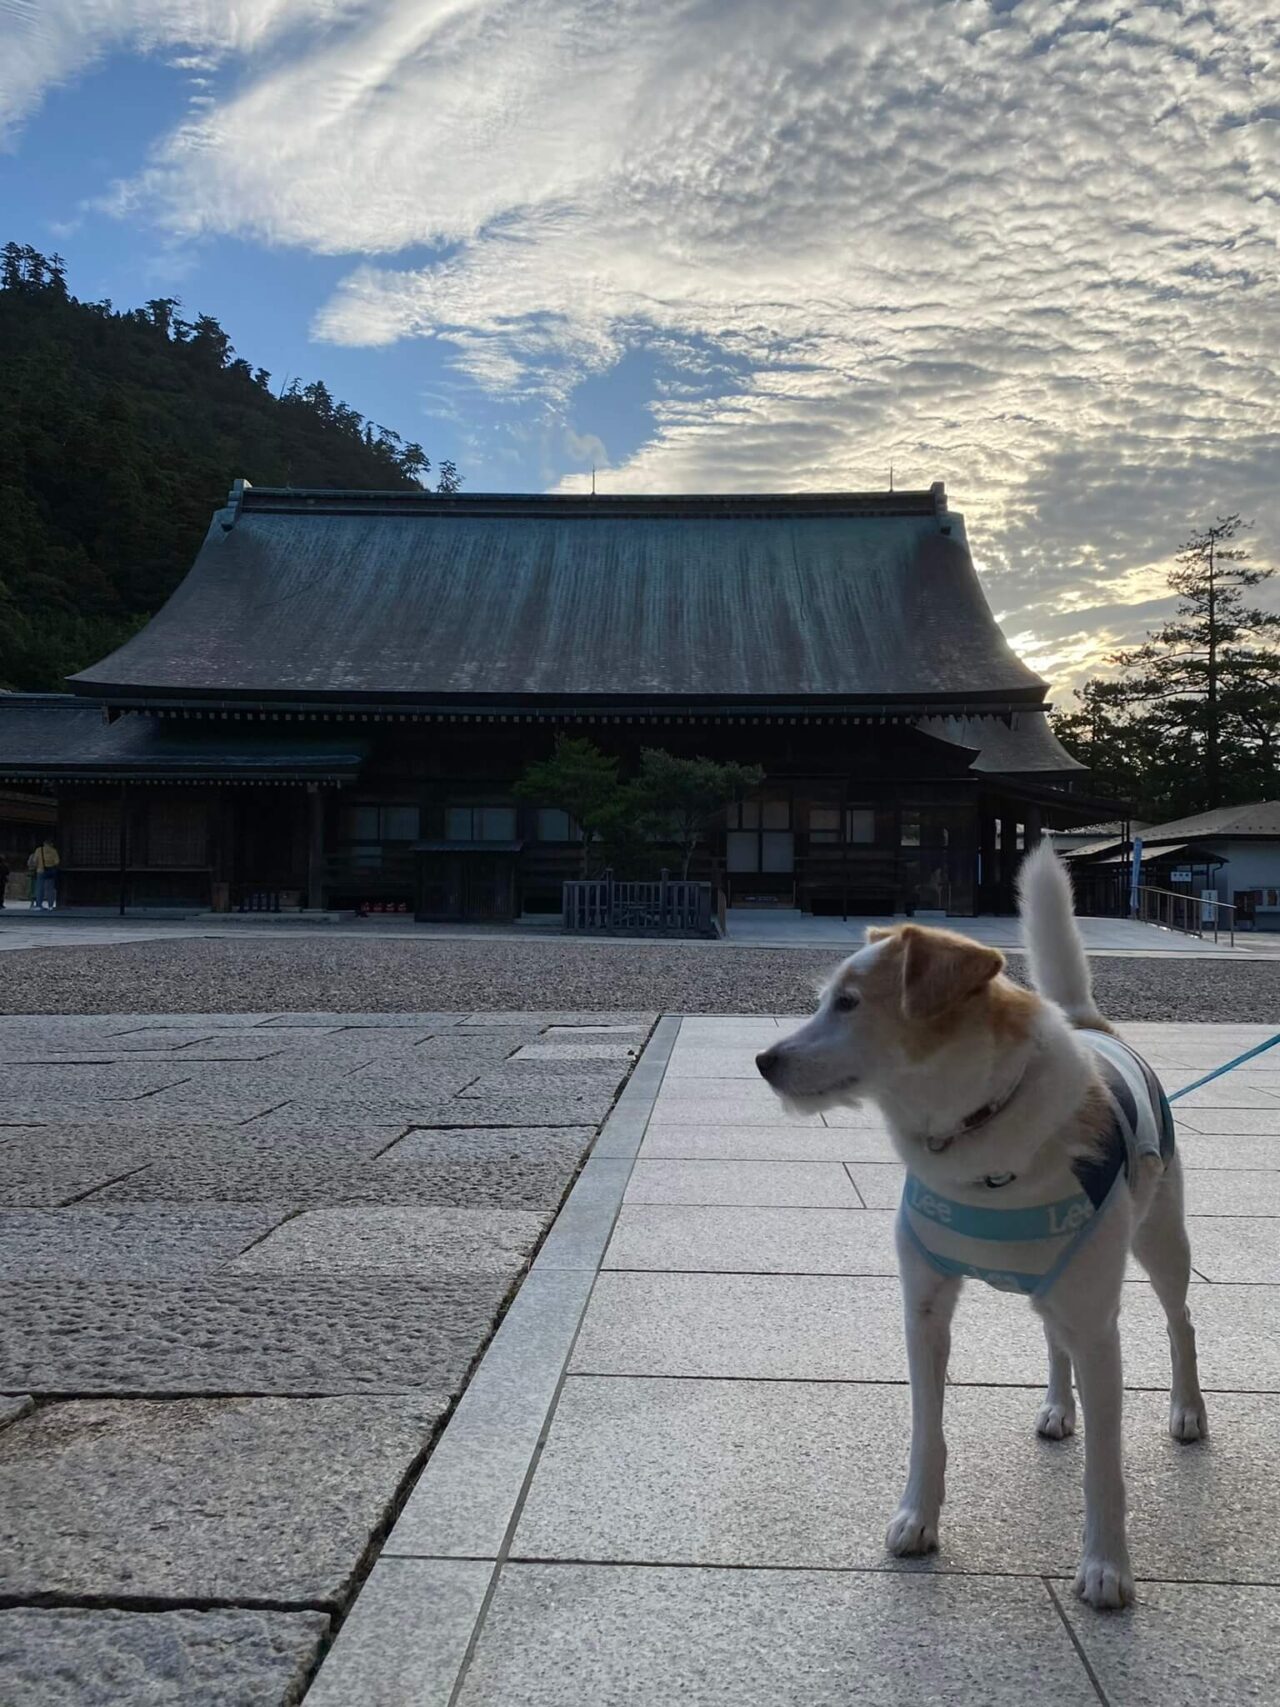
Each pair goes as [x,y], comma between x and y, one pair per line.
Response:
[1191,719]
[120,431]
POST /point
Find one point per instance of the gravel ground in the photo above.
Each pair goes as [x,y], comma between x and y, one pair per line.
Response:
[216,975]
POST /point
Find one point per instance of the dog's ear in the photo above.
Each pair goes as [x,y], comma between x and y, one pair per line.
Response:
[878,933]
[940,969]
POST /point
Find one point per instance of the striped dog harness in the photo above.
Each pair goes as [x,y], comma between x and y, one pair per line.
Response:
[1026,1249]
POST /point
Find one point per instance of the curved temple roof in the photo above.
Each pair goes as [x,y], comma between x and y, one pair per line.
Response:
[1024,746]
[379,597]
[56,738]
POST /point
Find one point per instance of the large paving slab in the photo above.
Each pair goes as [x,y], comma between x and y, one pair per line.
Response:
[396,1241]
[807,1474]
[719,1238]
[1207,1150]
[43,1166]
[1236,1248]
[91,1657]
[528,1183]
[828,1328]
[760,1184]
[301,1162]
[293,1332]
[424,1146]
[90,1243]
[693,1061]
[1250,1192]
[89,1082]
[619,1636]
[557,1050]
[1184,1643]
[245,1499]
[794,1143]
[540,1100]
[739,1326]
[999,1339]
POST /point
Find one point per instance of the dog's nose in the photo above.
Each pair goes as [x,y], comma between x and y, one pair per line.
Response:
[768,1062]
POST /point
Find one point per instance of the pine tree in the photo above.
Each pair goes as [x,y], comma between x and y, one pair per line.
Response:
[1207,674]
[1192,720]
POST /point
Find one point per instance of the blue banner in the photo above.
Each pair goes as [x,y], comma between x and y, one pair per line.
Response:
[1136,878]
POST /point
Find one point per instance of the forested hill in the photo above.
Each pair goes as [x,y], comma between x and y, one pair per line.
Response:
[120,433]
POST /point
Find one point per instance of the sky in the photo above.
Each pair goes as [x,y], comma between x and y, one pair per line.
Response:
[1027,247]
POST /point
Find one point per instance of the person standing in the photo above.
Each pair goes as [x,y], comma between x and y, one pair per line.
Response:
[43,866]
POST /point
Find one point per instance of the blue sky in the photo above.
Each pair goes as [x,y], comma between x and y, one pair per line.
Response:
[1025,246]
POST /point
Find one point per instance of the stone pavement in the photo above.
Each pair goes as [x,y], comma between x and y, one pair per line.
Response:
[670,1477]
[246,1263]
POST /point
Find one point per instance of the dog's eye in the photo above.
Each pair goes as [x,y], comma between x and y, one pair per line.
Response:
[845,1003]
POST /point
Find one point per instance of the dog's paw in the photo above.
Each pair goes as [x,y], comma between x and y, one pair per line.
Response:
[1188,1421]
[1104,1583]
[911,1533]
[1055,1422]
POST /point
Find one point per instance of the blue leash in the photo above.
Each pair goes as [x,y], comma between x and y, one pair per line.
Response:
[1219,1071]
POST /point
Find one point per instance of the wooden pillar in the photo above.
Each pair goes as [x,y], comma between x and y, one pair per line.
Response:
[124,843]
[990,878]
[1033,818]
[1008,857]
[315,847]
[222,834]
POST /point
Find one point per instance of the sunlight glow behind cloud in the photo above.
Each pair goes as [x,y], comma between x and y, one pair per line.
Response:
[1029,247]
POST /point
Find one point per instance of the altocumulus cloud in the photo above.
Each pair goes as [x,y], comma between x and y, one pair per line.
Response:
[1028,246]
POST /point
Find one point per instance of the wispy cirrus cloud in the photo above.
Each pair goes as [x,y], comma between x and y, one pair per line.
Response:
[1028,247]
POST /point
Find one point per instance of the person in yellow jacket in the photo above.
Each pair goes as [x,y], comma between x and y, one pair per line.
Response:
[43,866]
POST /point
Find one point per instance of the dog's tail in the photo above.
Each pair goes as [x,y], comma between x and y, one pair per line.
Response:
[1059,968]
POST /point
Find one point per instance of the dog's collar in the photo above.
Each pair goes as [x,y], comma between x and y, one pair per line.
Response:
[978,1118]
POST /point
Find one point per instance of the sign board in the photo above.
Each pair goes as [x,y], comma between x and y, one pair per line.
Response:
[1180,874]
[1208,906]
[1135,877]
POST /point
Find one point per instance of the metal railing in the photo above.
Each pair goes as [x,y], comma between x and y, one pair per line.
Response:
[669,907]
[1190,914]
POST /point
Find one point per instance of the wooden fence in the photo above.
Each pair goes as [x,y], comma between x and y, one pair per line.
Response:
[669,907]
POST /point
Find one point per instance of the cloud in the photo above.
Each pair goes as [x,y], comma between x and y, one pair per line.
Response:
[47,42]
[1028,248]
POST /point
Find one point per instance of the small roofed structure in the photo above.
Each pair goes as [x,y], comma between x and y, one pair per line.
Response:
[1231,851]
[392,662]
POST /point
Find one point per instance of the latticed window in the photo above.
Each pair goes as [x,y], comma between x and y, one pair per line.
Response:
[370,822]
[759,836]
[855,823]
[91,833]
[480,824]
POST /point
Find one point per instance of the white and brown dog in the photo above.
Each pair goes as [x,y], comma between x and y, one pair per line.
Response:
[1039,1151]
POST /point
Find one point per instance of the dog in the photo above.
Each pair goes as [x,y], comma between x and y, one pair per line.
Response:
[1039,1150]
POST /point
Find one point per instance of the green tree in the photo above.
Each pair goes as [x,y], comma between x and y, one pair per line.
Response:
[680,800]
[118,433]
[578,779]
[1119,750]
[1192,719]
[1202,675]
